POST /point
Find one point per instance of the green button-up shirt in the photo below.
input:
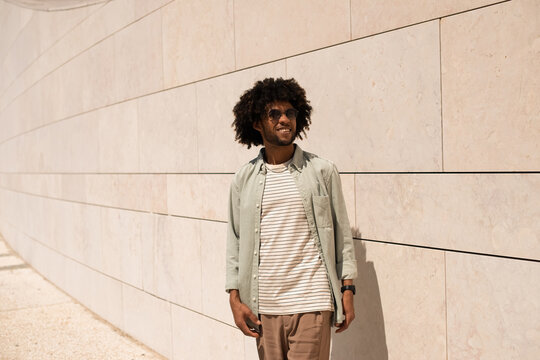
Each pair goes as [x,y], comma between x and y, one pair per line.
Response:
[319,186]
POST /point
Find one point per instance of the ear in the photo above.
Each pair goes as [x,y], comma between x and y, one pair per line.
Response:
[257,126]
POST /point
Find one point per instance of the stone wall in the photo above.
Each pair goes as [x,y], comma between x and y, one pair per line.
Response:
[116,154]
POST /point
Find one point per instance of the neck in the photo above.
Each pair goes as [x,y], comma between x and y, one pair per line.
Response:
[278,154]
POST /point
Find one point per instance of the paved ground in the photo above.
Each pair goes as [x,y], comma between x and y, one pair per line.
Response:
[39,321]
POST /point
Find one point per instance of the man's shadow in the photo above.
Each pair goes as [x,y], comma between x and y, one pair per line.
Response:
[365,339]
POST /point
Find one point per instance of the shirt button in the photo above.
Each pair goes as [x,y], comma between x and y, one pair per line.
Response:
[254,276]
[255,253]
[254,299]
[257,205]
[256,230]
[260,182]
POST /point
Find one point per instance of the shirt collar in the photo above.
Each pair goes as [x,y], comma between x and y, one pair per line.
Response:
[297,159]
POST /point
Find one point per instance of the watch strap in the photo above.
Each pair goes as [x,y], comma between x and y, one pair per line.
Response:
[349,287]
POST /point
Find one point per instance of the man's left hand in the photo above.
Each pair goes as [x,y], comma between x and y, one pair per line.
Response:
[348,309]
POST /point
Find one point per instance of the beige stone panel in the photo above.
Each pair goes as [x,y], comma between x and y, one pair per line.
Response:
[31,150]
[13,88]
[24,50]
[106,20]
[99,75]
[29,106]
[4,249]
[190,55]
[215,301]
[73,187]
[78,282]
[203,196]
[7,123]
[348,187]
[22,115]
[49,185]
[12,237]
[250,348]
[146,192]
[65,218]
[399,306]
[177,261]
[53,35]
[148,319]
[32,214]
[70,145]
[121,245]
[493,308]
[101,21]
[490,62]
[71,87]
[118,138]
[53,25]
[191,340]
[485,213]
[370,17]
[147,249]
[98,292]
[102,189]
[50,103]
[138,64]
[8,156]
[49,263]
[77,231]
[388,114]
[12,20]
[168,131]
[266,31]
[44,223]
[144,7]
[218,152]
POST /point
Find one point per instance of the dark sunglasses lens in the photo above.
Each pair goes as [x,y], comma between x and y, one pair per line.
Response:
[274,114]
[291,113]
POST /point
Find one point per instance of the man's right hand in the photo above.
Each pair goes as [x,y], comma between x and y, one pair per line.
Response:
[242,314]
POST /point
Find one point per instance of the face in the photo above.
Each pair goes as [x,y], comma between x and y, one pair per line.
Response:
[278,131]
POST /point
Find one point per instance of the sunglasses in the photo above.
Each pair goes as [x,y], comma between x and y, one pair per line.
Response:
[274,115]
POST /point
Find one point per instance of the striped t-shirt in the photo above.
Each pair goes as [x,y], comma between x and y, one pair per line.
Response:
[292,277]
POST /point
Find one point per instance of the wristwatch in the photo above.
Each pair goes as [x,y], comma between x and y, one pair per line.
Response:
[349,287]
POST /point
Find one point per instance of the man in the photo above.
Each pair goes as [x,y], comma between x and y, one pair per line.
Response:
[290,253]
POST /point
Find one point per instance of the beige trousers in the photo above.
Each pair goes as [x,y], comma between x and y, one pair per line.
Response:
[295,337]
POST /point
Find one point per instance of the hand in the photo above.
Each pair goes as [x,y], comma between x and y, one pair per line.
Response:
[348,309]
[241,314]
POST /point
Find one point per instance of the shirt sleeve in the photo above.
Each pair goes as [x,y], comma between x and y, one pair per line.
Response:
[346,266]
[232,252]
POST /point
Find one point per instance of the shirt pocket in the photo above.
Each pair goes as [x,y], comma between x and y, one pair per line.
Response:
[321,210]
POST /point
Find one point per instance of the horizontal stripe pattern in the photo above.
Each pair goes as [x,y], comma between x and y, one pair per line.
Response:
[292,278]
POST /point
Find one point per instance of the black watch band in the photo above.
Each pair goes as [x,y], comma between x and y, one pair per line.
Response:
[349,287]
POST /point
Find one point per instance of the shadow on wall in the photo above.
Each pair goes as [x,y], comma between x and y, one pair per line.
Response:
[365,339]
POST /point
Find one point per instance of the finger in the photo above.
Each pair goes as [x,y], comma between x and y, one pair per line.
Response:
[246,330]
[253,318]
[342,328]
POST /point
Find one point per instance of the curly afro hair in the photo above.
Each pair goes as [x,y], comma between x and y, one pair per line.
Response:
[252,107]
